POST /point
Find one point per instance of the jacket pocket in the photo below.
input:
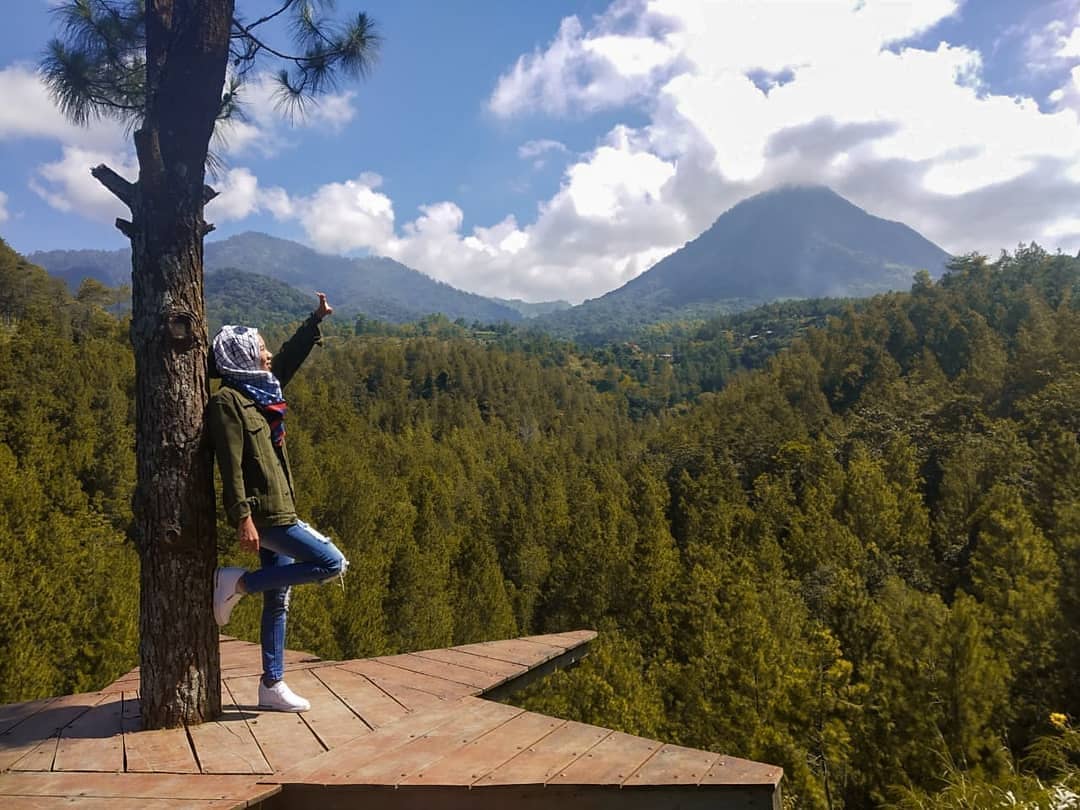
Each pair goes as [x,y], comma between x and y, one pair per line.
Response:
[258,435]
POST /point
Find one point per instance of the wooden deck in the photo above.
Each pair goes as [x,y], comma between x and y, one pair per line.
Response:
[403,731]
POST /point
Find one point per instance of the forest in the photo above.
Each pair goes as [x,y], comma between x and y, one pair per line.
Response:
[848,545]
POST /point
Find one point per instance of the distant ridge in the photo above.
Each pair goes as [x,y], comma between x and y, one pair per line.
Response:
[791,242]
[376,287]
[534,310]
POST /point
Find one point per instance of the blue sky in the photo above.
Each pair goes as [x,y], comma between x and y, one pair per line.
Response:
[557,149]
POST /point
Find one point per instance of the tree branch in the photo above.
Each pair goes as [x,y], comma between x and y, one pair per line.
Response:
[269,17]
[125,227]
[120,187]
[208,194]
[245,33]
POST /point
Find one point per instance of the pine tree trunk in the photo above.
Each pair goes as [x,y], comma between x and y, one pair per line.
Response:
[186,48]
[174,497]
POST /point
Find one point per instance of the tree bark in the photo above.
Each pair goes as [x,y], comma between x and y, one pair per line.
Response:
[175,529]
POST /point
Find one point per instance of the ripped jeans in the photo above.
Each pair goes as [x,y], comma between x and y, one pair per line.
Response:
[290,555]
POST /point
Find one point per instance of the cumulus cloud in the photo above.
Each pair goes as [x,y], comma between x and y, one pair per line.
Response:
[607,223]
[342,216]
[67,186]
[237,196]
[588,70]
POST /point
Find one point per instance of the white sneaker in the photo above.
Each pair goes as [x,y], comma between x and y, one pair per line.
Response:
[280,698]
[225,594]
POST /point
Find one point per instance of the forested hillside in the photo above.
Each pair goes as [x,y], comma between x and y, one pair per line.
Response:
[857,559]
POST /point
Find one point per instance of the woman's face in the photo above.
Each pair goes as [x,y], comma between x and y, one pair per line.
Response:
[264,355]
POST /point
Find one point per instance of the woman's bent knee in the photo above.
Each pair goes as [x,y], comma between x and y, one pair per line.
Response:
[336,568]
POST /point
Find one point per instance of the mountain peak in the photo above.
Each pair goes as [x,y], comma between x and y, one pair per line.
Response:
[797,241]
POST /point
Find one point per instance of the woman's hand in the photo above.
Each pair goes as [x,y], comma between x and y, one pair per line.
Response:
[324,309]
[248,535]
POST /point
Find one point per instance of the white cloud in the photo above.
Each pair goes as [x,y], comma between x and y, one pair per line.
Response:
[3,207]
[1069,47]
[579,70]
[607,223]
[264,127]
[617,179]
[29,112]
[538,150]
[342,216]
[237,196]
[67,185]
[532,149]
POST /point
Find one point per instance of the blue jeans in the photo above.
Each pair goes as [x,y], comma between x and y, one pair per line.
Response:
[290,555]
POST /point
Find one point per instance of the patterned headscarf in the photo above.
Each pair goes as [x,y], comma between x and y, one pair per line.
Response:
[238,355]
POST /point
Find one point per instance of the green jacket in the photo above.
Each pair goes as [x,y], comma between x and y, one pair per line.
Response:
[255,475]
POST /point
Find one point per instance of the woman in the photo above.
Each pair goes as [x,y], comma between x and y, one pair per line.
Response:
[247,422]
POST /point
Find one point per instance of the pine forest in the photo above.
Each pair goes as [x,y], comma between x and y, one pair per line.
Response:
[842,536]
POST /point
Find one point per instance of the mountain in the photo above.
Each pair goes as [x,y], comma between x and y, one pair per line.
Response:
[792,242]
[111,267]
[534,310]
[377,287]
[236,296]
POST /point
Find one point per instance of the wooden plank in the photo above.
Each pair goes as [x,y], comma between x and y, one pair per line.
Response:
[471,762]
[98,803]
[332,720]
[554,753]
[567,641]
[35,738]
[574,636]
[360,694]
[227,745]
[399,765]
[255,668]
[673,765]
[492,666]
[479,681]
[283,737]
[412,699]
[610,762]
[734,771]
[300,657]
[123,685]
[95,741]
[14,713]
[174,787]
[158,751]
[244,659]
[383,674]
[326,768]
[515,651]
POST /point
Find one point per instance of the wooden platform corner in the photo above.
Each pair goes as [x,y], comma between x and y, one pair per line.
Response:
[421,729]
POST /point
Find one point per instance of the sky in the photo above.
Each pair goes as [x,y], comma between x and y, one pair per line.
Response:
[556,149]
